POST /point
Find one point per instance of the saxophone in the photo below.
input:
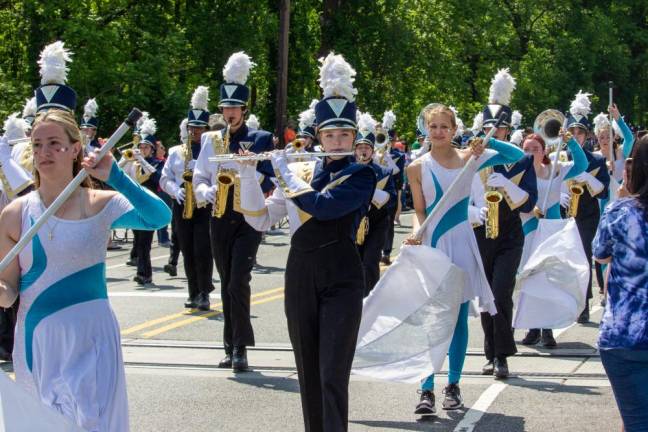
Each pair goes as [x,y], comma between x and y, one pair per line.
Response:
[493,198]
[187,177]
[576,192]
[225,177]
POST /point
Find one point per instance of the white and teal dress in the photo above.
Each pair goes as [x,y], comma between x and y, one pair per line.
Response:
[67,348]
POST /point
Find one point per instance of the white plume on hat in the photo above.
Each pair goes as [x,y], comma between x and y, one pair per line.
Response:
[336,77]
[501,88]
[149,127]
[516,137]
[53,63]
[478,123]
[581,105]
[90,109]
[184,132]
[200,98]
[15,127]
[307,117]
[145,116]
[237,69]
[516,119]
[601,121]
[253,122]
[30,108]
[388,120]
[366,123]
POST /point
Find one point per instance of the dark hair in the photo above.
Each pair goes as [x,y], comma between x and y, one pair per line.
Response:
[638,183]
[537,137]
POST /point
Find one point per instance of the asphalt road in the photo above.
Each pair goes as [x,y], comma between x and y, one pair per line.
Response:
[174,385]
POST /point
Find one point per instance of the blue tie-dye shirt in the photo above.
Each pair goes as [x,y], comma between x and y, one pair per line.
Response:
[623,235]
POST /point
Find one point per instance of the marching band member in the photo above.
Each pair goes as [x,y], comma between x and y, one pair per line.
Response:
[146,170]
[307,127]
[430,176]
[501,253]
[621,153]
[535,146]
[191,224]
[67,350]
[594,183]
[394,159]
[171,267]
[89,125]
[374,226]
[234,242]
[324,202]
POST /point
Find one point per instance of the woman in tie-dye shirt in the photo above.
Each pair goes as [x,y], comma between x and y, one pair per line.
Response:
[622,240]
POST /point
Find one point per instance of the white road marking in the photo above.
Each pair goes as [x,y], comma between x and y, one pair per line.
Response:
[477,411]
[155,294]
[124,264]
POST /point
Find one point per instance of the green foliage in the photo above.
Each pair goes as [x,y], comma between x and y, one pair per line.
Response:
[152,54]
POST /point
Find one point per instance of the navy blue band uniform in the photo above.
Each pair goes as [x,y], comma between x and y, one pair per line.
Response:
[398,177]
[501,257]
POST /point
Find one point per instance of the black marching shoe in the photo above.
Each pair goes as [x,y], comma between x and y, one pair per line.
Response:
[583,318]
[452,399]
[132,262]
[501,369]
[226,363]
[202,302]
[171,269]
[190,303]
[385,260]
[488,368]
[239,359]
[532,337]
[548,340]
[426,406]
[141,280]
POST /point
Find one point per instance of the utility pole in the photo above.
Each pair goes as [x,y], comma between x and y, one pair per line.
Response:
[282,71]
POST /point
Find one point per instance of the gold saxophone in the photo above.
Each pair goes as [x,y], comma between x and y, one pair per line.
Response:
[576,192]
[363,230]
[225,177]
[187,177]
[493,198]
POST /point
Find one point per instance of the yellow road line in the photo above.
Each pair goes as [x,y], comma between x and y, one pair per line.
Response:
[193,319]
[182,314]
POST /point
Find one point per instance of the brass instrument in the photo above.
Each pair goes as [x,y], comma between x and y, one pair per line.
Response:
[493,198]
[187,177]
[225,177]
[548,125]
[298,144]
[576,192]
[363,230]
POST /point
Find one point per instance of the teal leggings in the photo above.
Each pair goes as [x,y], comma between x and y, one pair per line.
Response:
[457,351]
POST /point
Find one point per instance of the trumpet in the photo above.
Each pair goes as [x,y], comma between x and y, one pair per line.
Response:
[298,144]
[268,155]
[576,192]
[128,155]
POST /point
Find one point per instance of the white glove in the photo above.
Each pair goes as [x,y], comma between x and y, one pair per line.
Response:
[180,196]
[5,149]
[593,184]
[498,180]
[516,195]
[483,214]
[147,167]
[475,216]
[210,194]
[279,161]
[564,199]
